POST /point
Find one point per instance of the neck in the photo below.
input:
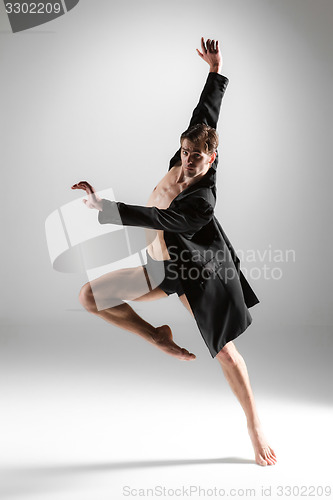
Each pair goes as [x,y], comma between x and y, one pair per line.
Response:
[188,181]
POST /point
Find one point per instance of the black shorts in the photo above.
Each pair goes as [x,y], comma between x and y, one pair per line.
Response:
[167,279]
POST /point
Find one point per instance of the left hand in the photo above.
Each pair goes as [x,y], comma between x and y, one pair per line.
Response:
[93,201]
[211,53]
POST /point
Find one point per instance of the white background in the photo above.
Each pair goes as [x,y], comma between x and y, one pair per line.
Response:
[102,94]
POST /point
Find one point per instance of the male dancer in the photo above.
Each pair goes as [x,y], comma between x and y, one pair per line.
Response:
[181,208]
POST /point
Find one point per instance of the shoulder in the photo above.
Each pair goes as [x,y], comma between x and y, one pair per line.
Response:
[203,195]
[197,202]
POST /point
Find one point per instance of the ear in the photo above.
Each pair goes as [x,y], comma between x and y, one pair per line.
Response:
[212,158]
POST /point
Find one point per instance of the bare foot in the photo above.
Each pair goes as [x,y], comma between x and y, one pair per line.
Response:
[163,340]
[264,454]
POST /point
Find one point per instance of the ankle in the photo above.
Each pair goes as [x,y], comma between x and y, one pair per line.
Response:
[153,334]
[253,424]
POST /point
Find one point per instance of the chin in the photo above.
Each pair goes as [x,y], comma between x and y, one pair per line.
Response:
[189,171]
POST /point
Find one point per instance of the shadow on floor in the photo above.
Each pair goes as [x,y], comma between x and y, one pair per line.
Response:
[29,480]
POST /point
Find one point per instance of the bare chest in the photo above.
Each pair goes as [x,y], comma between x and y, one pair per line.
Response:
[166,190]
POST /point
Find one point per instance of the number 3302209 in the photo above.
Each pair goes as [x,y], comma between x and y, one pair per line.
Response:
[32,8]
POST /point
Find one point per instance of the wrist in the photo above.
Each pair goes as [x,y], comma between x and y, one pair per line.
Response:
[215,68]
[99,205]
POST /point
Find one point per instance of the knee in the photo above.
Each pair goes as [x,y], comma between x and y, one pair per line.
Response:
[228,355]
[86,298]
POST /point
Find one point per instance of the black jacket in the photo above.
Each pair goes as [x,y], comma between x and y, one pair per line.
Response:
[209,268]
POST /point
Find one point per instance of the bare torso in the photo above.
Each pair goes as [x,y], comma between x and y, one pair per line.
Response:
[161,197]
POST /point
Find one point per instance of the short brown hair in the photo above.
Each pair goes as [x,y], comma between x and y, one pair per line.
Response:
[202,135]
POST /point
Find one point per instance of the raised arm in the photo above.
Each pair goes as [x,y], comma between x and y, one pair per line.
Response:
[208,108]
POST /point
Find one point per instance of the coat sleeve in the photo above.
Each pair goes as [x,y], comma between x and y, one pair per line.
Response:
[188,215]
[208,108]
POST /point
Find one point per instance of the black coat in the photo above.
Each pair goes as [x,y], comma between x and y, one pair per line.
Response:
[209,268]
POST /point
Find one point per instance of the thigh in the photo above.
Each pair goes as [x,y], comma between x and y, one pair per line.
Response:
[186,303]
[155,294]
[123,284]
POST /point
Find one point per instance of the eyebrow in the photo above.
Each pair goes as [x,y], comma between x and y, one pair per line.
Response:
[194,151]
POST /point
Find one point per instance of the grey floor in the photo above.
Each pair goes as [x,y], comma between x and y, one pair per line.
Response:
[90,411]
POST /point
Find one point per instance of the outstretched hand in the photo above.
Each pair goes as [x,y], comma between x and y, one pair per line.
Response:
[93,201]
[211,54]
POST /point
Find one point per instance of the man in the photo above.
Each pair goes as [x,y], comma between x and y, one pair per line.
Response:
[181,210]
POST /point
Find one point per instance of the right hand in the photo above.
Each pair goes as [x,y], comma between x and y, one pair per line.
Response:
[211,54]
[93,201]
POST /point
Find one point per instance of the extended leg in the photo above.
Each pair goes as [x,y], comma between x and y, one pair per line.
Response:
[129,284]
[235,371]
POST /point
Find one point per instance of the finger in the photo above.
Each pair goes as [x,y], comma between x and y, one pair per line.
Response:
[208,44]
[204,50]
[89,186]
[217,46]
[212,46]
[85,185]
[200,54]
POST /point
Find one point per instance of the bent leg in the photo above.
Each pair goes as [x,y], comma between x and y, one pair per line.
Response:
[102,297]
[235,371]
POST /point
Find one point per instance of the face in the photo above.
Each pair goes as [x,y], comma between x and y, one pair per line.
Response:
[195,162]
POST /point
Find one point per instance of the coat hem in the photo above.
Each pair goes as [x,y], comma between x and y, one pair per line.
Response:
[233,337]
